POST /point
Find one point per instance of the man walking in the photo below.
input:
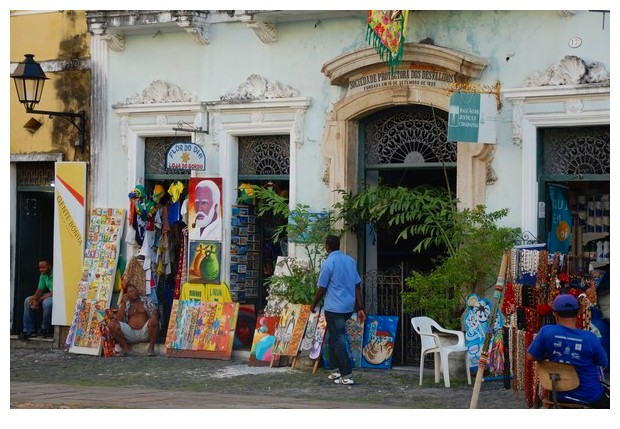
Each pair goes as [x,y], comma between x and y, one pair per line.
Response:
[339,282]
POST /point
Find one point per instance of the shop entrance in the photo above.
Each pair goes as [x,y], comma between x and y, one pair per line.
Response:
[264,161]
[34,241]
[405,147]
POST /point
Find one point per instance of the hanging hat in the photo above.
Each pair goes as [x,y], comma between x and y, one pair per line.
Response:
[158,192]
[138,192]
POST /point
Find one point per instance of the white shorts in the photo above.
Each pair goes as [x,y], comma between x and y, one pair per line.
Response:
[135,335]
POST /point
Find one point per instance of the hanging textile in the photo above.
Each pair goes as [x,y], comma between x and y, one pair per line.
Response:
[386,33]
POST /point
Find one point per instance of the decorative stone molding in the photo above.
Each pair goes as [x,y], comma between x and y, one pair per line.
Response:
[124,128]
[491,176]
[265,31]
[517,119]
[115,42]
[160,92]
[195,25]
[257,88]
[571,70]
[565,13]
[298,129]
[573,106]
[161,120]
[115,23]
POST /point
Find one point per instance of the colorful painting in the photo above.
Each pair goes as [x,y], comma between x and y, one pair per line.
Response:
[246,320]
[205,208]
[379,339]
[290,330]
[355,337]
[318,337]
[94,290]
[204,262]
[308,338]
[202,329]
[476,324]
[261,352]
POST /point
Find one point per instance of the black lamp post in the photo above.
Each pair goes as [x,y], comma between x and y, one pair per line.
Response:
[29,79]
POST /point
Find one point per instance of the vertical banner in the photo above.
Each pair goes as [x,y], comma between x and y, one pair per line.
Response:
[561,220]
[69,224]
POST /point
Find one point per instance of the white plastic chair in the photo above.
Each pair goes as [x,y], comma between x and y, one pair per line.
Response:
[431,343]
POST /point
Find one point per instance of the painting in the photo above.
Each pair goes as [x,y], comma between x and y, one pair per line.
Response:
[379,339]
[202,329]
[476,320]
[205,209]
[355,338]
[264,338]
[308,338]
[204,262]
[246,320]
[290,330]
[94,290]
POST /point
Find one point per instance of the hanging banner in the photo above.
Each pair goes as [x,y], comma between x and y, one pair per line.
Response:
[186,156]
[561,220]
[69,225]
[386,33]
[472,118]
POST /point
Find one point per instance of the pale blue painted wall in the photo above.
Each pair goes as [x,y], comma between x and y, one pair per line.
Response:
[532,40]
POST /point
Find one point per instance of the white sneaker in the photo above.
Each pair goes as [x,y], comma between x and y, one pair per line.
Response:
[334,375]
[343,380]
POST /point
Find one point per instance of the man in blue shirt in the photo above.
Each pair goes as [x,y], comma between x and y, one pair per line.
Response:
[564,342]
[339,282]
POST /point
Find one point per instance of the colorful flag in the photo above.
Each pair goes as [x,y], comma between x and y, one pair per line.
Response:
[386,33]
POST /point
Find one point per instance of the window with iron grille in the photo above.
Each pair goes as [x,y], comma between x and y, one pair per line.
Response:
[34,173]
[264,155]
[155,150]
[576,150]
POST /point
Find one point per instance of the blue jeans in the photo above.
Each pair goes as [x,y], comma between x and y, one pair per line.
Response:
[337,344]
[30,315]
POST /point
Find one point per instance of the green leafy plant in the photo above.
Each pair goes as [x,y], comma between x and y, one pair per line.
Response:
[307,229]
[473,243]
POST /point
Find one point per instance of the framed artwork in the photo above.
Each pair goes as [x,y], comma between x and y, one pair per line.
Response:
[204,262]
[204,208]
[379,338]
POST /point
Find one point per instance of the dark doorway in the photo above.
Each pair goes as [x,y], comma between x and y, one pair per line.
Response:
[34,241]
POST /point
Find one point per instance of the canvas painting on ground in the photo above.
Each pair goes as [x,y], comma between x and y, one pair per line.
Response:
[308,338]
[290,330]
[379,339]
[263,341]
[202,329]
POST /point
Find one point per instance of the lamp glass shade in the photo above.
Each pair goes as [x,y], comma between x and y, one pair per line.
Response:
[29,80]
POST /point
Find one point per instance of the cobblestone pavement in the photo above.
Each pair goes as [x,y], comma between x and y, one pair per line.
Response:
[229,384]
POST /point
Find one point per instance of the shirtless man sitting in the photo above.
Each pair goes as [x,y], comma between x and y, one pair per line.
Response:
[135,322]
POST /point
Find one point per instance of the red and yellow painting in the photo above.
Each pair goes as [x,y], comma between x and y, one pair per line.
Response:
[202,329]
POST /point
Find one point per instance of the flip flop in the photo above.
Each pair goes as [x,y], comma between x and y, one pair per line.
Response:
[151,354]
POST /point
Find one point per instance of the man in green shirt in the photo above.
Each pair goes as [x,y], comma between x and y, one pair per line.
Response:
[42,298]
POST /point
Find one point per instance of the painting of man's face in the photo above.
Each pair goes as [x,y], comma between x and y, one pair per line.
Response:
[205,205]
[205,209]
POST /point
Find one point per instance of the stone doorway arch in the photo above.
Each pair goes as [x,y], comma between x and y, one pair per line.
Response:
[421,78]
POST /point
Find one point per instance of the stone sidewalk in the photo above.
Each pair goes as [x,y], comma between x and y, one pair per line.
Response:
[46,377]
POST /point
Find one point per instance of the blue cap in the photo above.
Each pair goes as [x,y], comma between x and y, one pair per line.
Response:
[565,303]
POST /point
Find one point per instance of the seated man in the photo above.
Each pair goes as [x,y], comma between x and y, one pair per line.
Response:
[135,322]
[41,298]
[564,342]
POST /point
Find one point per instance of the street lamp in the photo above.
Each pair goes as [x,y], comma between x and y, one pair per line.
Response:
[29,79]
